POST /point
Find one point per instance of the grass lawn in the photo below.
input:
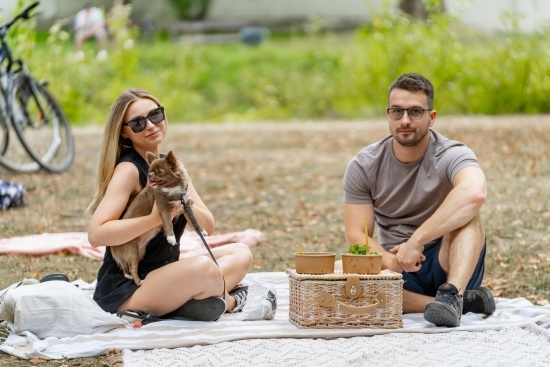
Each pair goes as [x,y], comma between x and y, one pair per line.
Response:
[285,179]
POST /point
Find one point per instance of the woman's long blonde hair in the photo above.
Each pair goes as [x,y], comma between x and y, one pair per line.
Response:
[112,142]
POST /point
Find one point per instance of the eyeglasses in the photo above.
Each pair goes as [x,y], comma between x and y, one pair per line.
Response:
[138,124]
[413,113]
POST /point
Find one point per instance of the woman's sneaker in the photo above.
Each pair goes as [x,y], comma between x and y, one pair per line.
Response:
[208,309]
[261,303]
[240,293]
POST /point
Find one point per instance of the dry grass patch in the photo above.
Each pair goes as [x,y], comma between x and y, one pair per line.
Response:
[285,179]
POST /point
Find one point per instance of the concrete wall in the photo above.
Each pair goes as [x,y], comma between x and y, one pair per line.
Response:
[282,12]
[486,14]
[157,11]
[483,14]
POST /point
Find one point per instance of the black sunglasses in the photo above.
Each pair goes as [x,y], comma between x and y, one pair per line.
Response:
[138,124]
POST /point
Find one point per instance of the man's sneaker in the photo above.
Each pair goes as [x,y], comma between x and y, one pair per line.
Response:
[446,310]
[240,293]
[208,309]
[479,300]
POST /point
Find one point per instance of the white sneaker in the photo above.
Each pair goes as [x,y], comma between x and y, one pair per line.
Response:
[261,304]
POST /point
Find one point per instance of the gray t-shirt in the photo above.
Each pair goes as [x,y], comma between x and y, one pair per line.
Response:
[404,195]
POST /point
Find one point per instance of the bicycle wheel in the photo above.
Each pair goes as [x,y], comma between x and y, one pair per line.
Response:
[13,154]
[41,124]
[4,132]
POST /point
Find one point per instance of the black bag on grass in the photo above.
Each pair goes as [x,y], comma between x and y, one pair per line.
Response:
[11,194]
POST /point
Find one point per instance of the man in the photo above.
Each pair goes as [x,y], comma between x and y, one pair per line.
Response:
[424,191]
[90,22]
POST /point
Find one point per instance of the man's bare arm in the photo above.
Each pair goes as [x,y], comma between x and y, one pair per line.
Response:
[355,231]
[459,207]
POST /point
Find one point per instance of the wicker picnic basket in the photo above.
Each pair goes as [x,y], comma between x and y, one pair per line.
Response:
[346,300]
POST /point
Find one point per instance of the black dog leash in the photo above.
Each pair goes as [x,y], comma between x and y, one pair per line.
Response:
[189,212]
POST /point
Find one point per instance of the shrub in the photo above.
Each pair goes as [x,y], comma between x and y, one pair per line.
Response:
[317,76]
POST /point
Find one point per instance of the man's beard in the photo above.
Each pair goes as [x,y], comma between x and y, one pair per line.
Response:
[411,139]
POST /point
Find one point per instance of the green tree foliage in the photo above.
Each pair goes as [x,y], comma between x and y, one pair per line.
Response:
[317,76]
[191,9]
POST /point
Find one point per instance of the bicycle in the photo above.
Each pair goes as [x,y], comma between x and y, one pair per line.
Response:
[27,107]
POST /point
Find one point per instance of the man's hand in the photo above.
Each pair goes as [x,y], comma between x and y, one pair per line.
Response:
[408,257]
[394,266]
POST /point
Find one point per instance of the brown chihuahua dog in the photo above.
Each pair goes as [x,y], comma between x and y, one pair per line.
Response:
[166,182]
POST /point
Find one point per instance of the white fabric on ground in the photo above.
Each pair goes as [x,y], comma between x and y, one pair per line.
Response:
[518,313]
[511,346]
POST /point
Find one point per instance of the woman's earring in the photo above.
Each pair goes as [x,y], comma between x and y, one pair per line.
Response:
[125,142]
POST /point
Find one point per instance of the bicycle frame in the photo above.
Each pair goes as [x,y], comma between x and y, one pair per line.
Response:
[29,108]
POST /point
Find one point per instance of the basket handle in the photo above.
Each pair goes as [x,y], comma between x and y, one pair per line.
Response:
[328,300]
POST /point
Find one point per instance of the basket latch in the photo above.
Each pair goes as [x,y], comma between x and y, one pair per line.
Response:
[352,290]
[353,287]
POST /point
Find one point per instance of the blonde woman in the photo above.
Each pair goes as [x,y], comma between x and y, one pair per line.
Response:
[193,288]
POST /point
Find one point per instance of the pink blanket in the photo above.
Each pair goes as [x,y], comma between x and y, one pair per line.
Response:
[77,243]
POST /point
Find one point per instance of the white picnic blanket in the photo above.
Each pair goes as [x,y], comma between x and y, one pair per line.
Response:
[511,346]
[511,313]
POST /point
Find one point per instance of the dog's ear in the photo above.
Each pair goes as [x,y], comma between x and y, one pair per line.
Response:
[175,166]
[171,160]
[150,157]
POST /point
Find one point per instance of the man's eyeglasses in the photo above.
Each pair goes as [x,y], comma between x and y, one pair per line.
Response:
[413,113]
[138,124]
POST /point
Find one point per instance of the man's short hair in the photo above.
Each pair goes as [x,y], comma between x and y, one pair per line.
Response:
[415,82]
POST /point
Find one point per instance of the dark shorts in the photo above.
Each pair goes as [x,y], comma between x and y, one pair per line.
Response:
[431,275]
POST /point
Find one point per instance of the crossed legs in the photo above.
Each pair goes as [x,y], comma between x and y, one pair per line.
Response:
[198,277]
[458,256]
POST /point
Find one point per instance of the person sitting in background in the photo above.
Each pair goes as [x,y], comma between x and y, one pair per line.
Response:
[90,22]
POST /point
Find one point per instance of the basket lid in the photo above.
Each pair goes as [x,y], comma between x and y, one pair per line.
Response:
[339,275]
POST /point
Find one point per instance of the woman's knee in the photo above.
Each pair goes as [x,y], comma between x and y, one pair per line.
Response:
[204,268]
[244,254]
[207,266]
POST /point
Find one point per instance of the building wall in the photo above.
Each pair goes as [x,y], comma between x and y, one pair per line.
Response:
[486,14]
[483,14]
[269,12]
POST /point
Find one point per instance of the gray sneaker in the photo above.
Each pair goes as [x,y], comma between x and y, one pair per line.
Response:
[240,293]
[479,300]
[446,310]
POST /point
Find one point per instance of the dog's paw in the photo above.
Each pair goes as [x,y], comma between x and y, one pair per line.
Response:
[171,240]
[188,200]
[128,276]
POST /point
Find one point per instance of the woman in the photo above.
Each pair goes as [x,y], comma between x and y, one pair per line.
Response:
[194,288]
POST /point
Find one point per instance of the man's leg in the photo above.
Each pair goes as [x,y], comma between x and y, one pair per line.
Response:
[459,256]
[415,302]
[460,252]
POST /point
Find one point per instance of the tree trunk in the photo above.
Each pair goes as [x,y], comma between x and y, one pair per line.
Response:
[417,9]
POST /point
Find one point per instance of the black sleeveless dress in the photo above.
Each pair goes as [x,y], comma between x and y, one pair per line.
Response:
[113,288]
